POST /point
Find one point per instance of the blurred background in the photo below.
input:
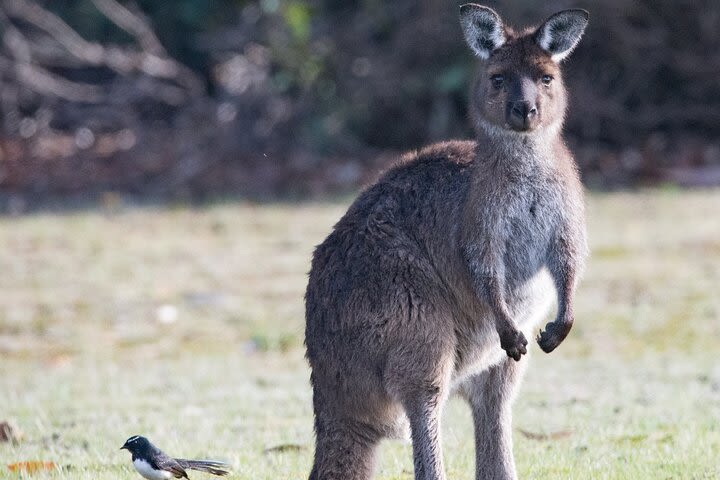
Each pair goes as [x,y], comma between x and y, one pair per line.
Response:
[166,168]
[298,98]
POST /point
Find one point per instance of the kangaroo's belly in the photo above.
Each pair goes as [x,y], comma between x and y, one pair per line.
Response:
[480,350]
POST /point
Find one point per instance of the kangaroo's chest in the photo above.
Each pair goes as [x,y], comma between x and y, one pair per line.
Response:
[531,219]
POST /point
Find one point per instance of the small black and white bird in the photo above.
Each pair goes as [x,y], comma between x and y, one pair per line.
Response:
[153,464]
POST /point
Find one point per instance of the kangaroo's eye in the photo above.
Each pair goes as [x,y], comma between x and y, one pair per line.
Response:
[497,80]
[547,79]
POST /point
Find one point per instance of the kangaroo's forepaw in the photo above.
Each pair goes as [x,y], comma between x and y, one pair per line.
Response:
[554,334]
[514,343]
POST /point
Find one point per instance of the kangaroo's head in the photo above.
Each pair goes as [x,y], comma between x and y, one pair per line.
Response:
[519,88]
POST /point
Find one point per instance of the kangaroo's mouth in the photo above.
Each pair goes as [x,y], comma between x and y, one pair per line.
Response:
[523,128]
[522,124]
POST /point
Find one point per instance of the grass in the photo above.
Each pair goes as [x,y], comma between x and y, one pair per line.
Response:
[186,325]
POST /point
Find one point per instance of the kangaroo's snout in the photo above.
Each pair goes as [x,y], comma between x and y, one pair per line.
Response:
[522,115]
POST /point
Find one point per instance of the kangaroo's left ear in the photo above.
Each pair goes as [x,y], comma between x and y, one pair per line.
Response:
[561,33]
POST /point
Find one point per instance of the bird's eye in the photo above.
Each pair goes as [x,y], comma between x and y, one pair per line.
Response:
[547,79]
[497,80]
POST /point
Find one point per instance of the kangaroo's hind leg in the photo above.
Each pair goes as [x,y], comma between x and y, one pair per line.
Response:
[419,377]
[344,450]
[424,412]
[490,395]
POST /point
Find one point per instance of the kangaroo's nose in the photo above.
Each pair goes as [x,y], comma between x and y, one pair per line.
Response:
[523,110]
[521,115]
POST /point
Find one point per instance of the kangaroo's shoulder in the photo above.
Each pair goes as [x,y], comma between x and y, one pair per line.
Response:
[453,153]
[418,175]
[424,180]
[429,167]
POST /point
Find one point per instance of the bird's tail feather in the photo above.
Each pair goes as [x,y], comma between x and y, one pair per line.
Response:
[216,468]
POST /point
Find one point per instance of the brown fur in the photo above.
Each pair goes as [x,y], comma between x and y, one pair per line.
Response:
[449,259]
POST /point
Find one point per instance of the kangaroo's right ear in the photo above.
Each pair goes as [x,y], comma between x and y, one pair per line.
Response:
[483,29]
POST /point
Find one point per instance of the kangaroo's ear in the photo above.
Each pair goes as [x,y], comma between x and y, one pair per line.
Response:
[483,29]
[561,32]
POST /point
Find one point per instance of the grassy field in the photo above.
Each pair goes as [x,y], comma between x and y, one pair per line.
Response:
[186,325]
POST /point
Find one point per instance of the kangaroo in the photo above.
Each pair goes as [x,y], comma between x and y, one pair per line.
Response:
[435,276]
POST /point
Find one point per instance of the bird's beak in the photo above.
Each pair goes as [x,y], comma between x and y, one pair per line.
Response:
[123,447]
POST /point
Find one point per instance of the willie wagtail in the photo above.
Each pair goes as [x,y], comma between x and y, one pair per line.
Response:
[153,464]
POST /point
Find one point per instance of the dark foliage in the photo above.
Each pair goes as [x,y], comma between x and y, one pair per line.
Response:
[300,97]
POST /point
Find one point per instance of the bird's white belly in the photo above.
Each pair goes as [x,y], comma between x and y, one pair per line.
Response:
[150,473]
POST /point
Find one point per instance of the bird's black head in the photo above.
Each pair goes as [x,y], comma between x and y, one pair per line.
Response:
[136,444]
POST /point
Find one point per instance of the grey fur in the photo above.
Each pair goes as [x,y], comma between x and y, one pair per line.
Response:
[449,259]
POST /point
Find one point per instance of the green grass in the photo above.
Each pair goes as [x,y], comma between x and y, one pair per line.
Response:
[86,359]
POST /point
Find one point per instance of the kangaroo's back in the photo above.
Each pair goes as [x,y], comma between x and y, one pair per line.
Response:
[395,220]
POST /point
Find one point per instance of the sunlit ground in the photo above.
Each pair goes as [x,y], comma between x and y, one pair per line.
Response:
[186,325]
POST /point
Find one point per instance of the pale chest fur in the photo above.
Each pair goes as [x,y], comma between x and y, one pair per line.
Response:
[529,220]
[516,210]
